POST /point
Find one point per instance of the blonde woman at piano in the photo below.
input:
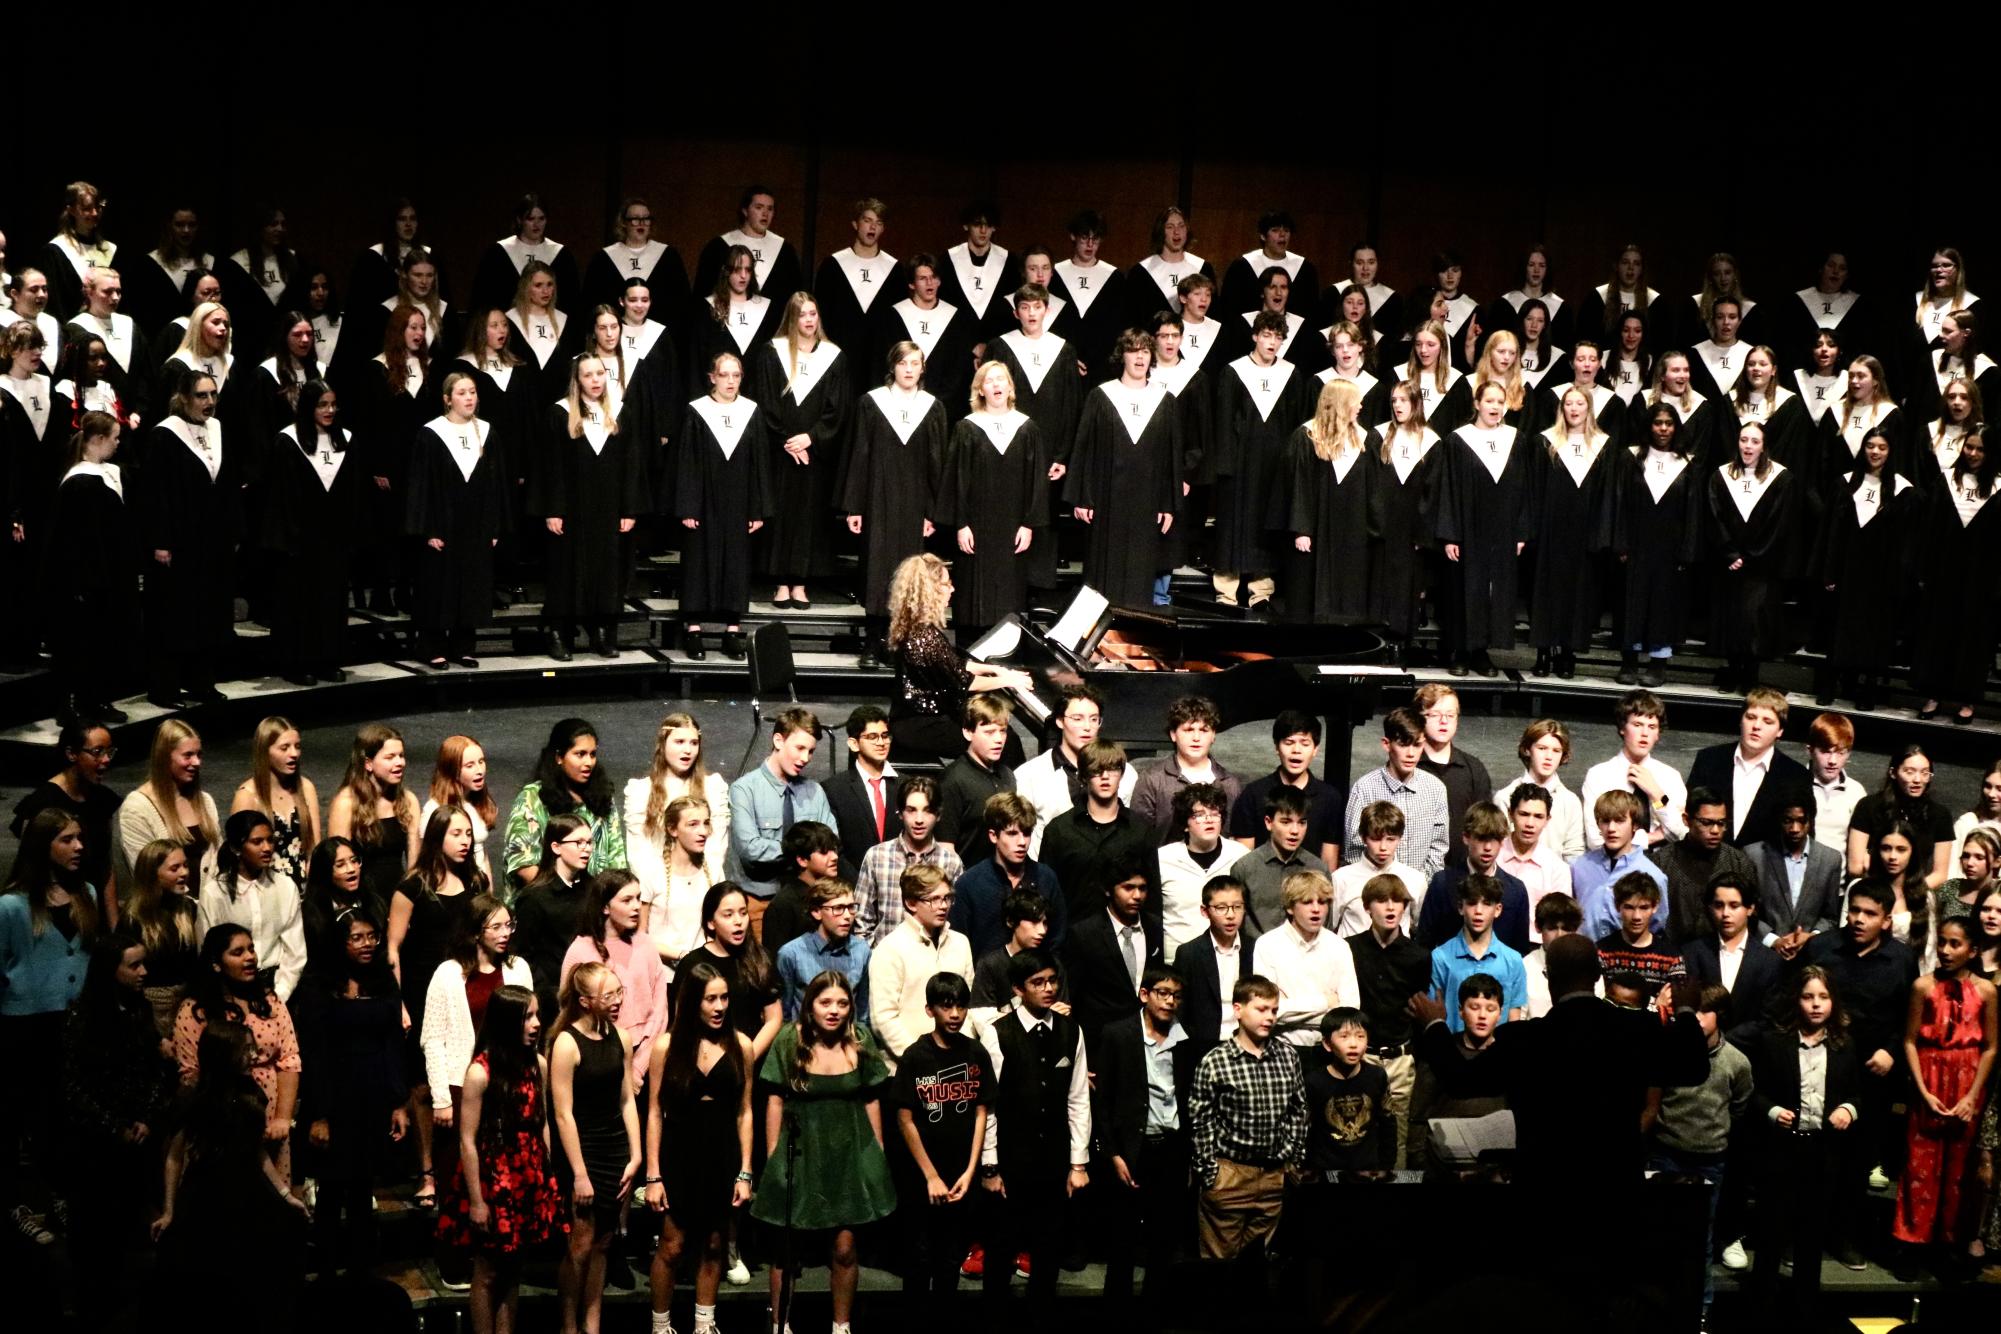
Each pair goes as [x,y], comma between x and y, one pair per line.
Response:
[932,677]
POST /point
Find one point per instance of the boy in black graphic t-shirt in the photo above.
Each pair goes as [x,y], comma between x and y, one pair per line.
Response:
[943,1088]
[1350,1125]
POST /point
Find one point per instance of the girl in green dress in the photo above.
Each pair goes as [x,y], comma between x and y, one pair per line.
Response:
[825,1171]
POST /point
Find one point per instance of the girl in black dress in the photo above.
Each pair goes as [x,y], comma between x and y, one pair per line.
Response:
[589,491]
[391,403]
[733,951]
[597,1132]
[803,389]
[697,1139]
[311,519]
[456,508]
[890,493]
[1402,497]
[189,511]
[1956,631]
[87,571]
[1754,505]
[352,1089]
[333,888]
[1865,558]
[427,915]
[157,907]
[373,810]
[722,495]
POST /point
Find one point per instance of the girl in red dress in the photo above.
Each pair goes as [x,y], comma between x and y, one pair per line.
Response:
[500,1199]
[1949,1044]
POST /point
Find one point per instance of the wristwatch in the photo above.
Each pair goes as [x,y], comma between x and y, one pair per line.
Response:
[988,1171]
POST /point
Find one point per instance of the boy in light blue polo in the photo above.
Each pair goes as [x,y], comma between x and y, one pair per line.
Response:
[1474,950]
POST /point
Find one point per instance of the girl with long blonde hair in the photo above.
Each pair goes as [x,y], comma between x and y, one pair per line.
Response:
[677,772]
[1576,475]
[169,804]
[278,786]
[932,677]
[1327,570]
[807,396]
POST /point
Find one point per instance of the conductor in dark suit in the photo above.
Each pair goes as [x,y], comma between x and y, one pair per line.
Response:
[864,796]
[1204,988]
[1753,968]
[1752,776]
[1143,1070]
[1579,1076]
[1107,954]
[1799,879]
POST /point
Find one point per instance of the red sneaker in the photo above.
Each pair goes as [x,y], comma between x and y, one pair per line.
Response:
[975,1265]
[1021,1264]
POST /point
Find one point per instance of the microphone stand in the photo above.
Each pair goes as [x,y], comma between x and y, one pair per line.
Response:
[787,1259]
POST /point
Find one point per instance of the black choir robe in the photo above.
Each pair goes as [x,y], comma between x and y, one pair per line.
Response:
[745,328]
[547,367]
[1332,508]
[984,289]
[657,264]
[1257,409]
[847,294]
[1789,432]
[1054,403]
[94,574]
[1838,436]
[1194,391]
[384,421]
[1573,530]
[311,527]
[1403,497]
[998,470]
[946,335]
[779,272]
[258,409]
[1799,319]
[1927,387]
[34,432]
[893,474]
[1700,425]
[153,295]
[1867,545]
[1607,407]
[458,492]
[1126,468]
[499,274]
[1375,393]
[1243,286]
[1710,385]
[1691,328]
[127,374]
[723,482]
[1744,612]
[505,404]
[1657,540]
[1305,347]
[253,297]
[167,382]
[1145,295]
[1956,615]
[818,403]
[1091,323]
[57,263]
[591,486]
[372,277]
[366,329]
[195,515]
[656,372]
[1447,409]
[1485,515]
[1596,305]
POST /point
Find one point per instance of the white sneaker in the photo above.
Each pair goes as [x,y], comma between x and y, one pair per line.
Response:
[1878,1179]
[738,1272]
[1734,1256]
[29,1224]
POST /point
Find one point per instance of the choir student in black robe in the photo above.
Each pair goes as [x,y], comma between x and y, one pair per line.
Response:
[655,356]
[779,272]
[1201,330]
[1348,356]
[1259,399]
[1574,488]
[805,399]
[416,285]
[33,427]
[506,402]
[1511,309]
[1601,311]
[309,518]
[1865,558]
[733,316]
[77,247]
[1629,367]
[1721,282]
[1402,494]
[589,490]
[978,276]
[1124,479]
[506,261]
[1916,337]
[1759,396]
[265,396]
[1301,345]
[1194,405]
[1702,419]
[1328,511]
[997,500]
[1823,380]
[1715,365]
[1936,449]
[1866,406]
[1959,356]
[1607,408]
[81,385]
[544,336]
[1755,508]
[207,345]
[1243,280]
[1500,362]
[1383,306]
[890,491]
[846,288]
[190,514]
[88,572]
[389,397]
[1484,520]
[1446,394]
[256,278]
[455,509]
[722,496]
[321,306]
[1153,284]
[1095,294]
[154,282]
[1461,313]
[102,318]
[625,383]
[372,276]
[203,289]
[1828,304]
[636,257]
[944,332]
[1656,533]
[1956,615]
[1049,386]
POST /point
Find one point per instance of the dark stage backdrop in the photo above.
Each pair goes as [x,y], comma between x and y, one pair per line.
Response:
[1878,194]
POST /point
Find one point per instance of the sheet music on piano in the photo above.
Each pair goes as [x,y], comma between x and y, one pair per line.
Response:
[1079,618]
[1000,643]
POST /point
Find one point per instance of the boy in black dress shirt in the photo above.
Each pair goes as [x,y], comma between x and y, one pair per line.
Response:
[1295,734]
[981,772]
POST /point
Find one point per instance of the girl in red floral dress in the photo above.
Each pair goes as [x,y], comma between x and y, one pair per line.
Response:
[500,1200]
[1949,1043]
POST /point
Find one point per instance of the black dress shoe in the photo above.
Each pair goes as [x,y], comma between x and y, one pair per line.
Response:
[1458,667]
[1655,673]
[867,660]
[331,674]
[1566,665]
[783,602]
[1484,664]
[1848,1257]
[1542,663]
[438,664]
[1962,719]
[465,660]
[204,695]
[110,713]
[166,699]
[691,645]
[801,604]
[733,646]
[1926,715]
[302,678]
[1629,669]
[559,647]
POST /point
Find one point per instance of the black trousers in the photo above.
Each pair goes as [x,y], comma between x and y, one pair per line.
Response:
[935,1241]
[358,1147]
[1146,1220]
[1029,1220]
[1795,1199]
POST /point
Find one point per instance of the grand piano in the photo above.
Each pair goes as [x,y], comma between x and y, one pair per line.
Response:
[1142,660]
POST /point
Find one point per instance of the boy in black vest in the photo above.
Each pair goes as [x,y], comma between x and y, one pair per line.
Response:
[1038,1137]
